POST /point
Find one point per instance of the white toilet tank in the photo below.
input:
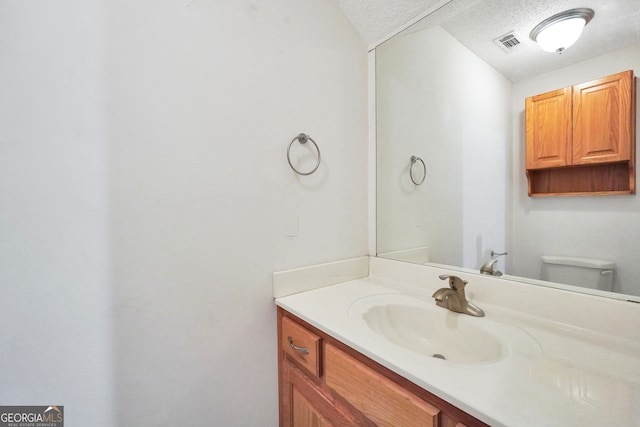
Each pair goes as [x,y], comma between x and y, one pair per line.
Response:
[585,272]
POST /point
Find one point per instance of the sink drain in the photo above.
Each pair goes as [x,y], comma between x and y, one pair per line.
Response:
[439,356]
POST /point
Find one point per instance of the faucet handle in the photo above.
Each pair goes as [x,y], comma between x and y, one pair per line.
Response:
[455,282]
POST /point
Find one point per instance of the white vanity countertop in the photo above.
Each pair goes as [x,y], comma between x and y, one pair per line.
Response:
[572,361]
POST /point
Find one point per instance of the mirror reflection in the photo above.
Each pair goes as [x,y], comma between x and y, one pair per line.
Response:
[447,93]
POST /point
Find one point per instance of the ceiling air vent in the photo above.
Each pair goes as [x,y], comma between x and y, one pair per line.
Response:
[509,42]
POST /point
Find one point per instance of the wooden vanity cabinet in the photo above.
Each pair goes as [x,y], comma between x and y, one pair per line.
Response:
[581,140]
[325,383]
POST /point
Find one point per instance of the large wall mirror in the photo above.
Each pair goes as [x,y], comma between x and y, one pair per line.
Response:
[448,94]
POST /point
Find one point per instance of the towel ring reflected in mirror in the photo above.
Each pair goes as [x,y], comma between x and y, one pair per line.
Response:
[303,139]
[414,160]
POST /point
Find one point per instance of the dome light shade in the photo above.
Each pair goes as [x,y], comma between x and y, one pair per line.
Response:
[560,31]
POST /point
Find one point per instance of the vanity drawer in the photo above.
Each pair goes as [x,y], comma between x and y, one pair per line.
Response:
[301,345]
[378,398]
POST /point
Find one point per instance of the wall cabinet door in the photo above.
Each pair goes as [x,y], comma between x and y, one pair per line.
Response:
[549,130]
[602,122]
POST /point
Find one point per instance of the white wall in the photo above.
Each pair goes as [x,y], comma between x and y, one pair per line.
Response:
[459,123]
[55,324]
[170,203]
[597,227]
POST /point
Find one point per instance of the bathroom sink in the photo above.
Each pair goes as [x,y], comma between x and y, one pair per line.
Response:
[416,324]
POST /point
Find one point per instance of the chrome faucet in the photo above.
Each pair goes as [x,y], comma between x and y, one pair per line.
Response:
[489,267]
[454,299]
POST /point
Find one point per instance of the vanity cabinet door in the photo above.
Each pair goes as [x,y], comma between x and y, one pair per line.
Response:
[381,400]
[548,129]
[303,412]
[602,119]
[304,399]
[304,403]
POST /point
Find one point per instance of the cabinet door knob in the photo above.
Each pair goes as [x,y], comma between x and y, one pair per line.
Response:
[303,350]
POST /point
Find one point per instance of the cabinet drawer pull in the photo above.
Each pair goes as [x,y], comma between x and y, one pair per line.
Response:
[303,350]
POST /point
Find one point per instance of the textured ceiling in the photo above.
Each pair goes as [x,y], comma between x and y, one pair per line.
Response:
[476,23]
[375,19]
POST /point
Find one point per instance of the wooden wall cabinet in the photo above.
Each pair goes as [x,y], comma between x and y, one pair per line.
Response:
[549,129]
[581,140]
[325,383]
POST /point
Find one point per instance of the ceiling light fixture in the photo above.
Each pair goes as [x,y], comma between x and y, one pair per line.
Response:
[560,31]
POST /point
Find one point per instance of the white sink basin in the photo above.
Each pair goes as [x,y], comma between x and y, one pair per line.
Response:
[416,324]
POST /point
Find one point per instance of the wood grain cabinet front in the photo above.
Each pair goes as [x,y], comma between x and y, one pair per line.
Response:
[603,120]
[379,399]
[549,129]
[334,385]
[306,403]
[301,345]
[580,140]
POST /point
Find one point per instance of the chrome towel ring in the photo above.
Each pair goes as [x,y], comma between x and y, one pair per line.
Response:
[302,139]
[414,160]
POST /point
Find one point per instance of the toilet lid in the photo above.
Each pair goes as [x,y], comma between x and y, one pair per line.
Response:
[601,264]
